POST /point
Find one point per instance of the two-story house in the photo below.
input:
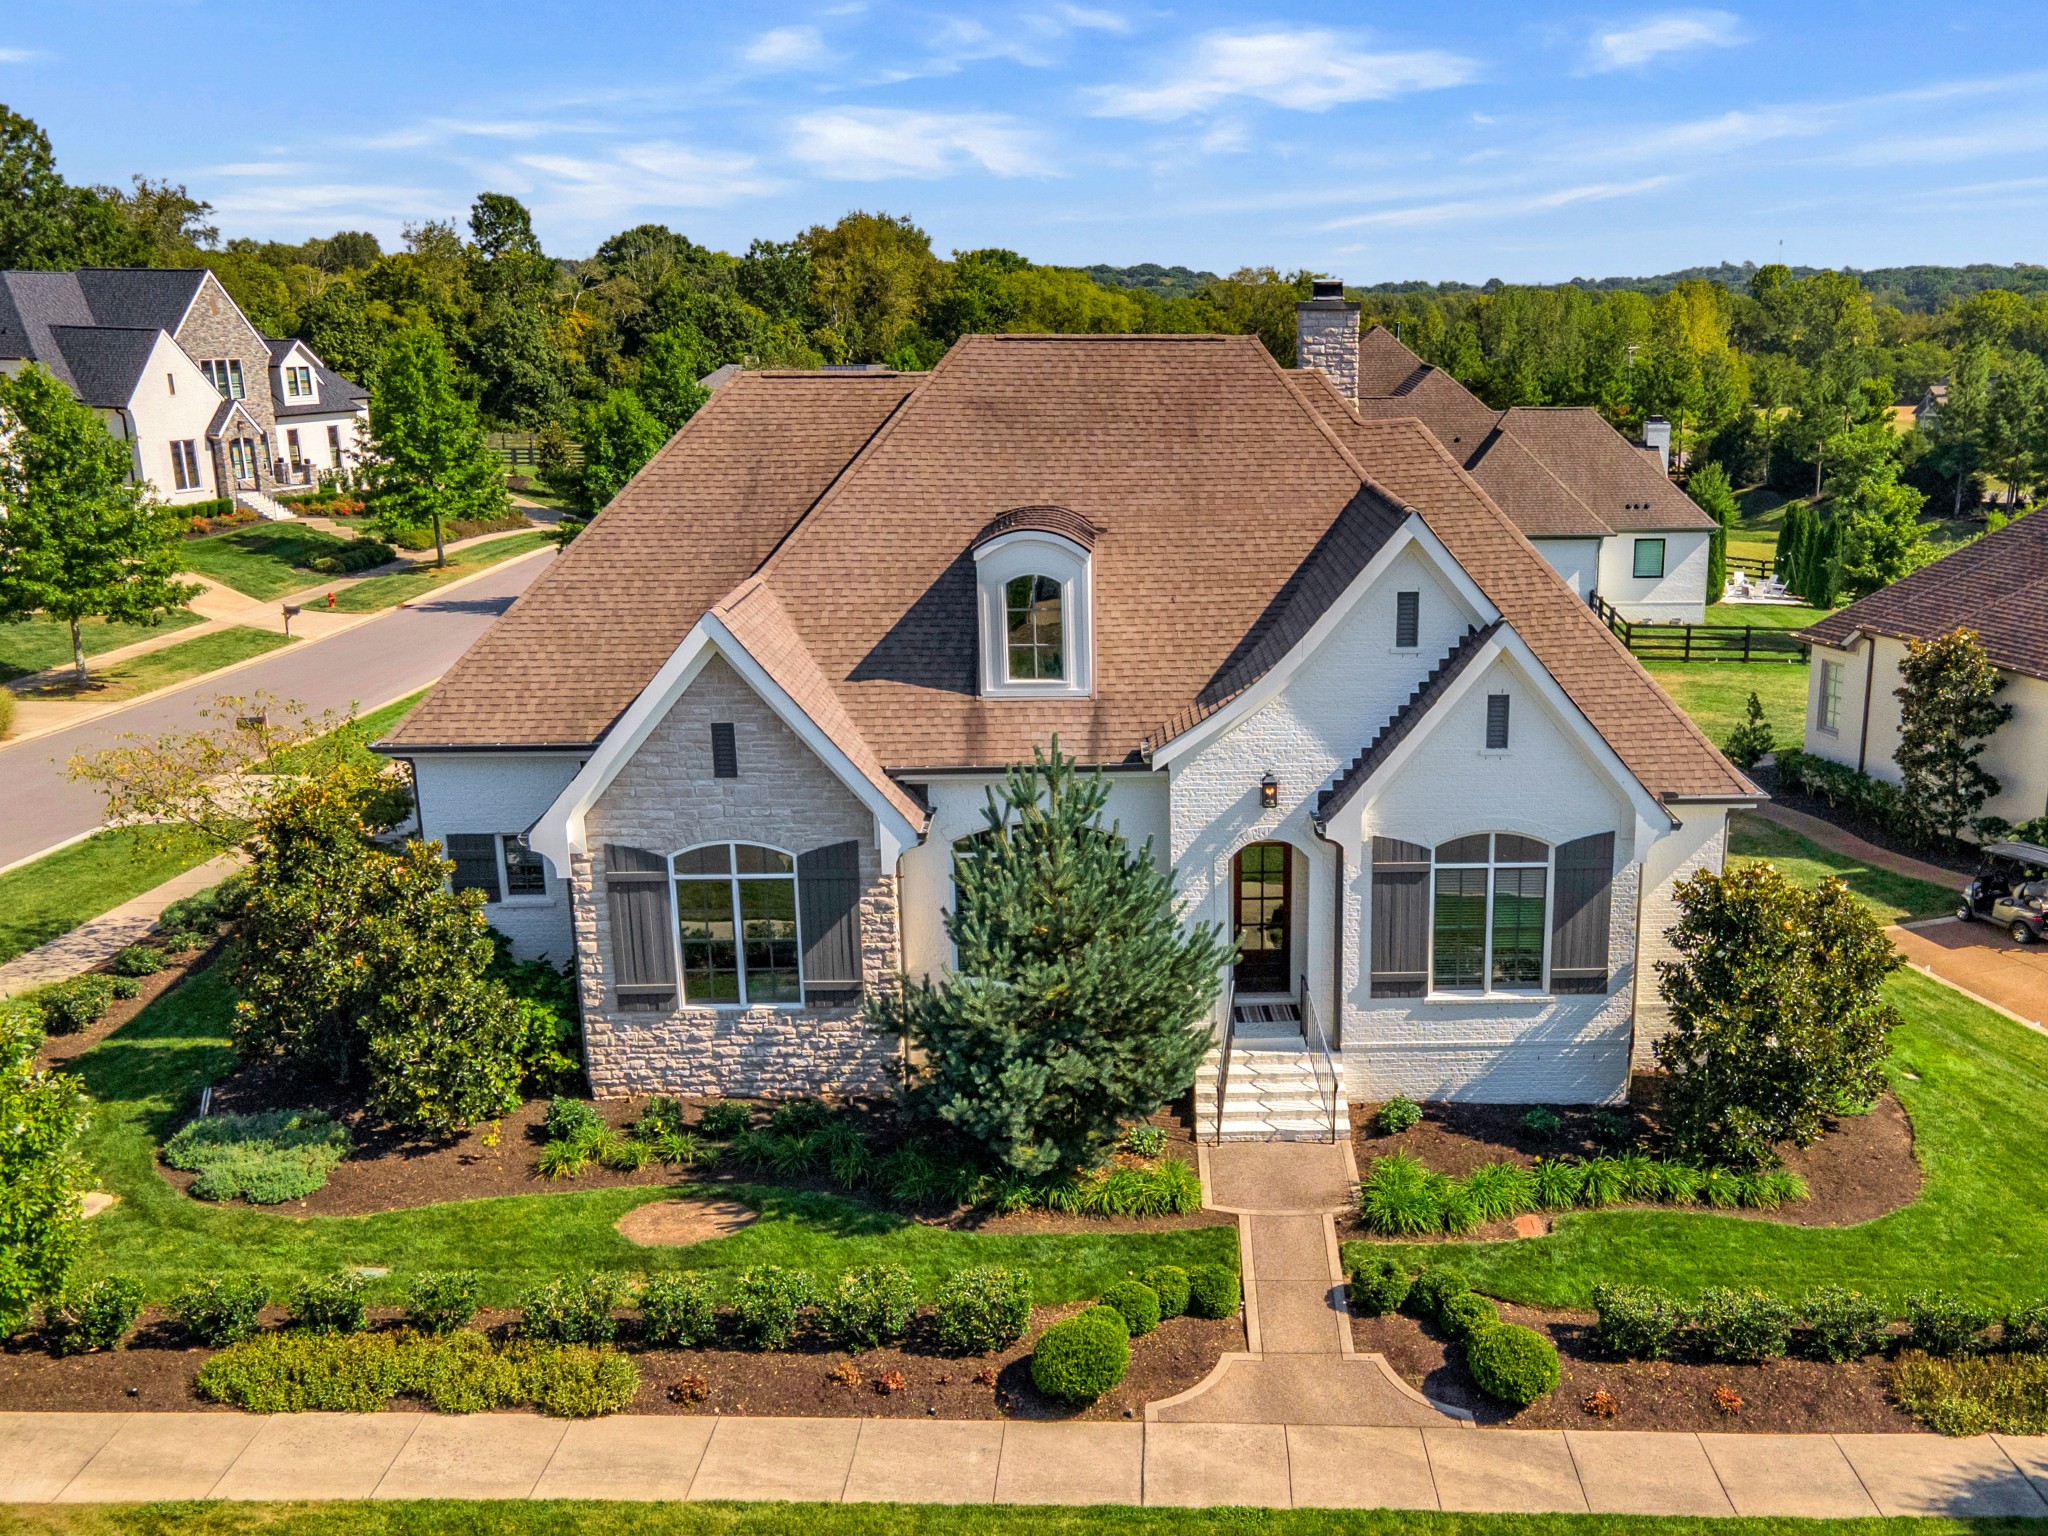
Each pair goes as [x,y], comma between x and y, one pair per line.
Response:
[209,406]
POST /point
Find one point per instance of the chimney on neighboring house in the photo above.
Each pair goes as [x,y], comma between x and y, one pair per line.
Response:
[1657,435]
[1326,336]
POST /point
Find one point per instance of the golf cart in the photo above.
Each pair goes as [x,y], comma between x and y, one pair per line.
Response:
[2011,890]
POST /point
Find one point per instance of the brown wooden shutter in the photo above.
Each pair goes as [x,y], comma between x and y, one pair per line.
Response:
[828,906]
[1584,886]
[643,945]
[1400,918]
[476,862]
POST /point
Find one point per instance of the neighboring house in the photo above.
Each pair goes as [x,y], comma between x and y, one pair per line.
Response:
[1601,509]
[722,751]
[1928,412]
[1996,586]
[208,405]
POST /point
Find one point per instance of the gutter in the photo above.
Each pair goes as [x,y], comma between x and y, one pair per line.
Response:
[410,749]
[1869,683]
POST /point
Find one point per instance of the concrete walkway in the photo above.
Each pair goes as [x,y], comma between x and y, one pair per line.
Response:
[104,936]
[143,1457]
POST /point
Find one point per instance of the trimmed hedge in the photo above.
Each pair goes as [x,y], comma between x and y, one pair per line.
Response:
[1512,1364]
[1078,1360]
[1214,1291]
[980,1311]
[1136,1303]
[1170,1281]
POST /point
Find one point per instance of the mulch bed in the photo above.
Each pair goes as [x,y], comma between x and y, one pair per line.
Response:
[1861,1169]
[155,1371]
[1941,856]
[1783,1396]
[62,1050]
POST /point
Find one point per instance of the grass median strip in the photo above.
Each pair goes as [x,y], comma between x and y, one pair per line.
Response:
[38,644]
[1894,898]
[402,586]
[54,894]
[172,665]
[146,1076]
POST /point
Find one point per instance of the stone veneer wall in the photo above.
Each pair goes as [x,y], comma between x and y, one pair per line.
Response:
[1660,913]
[1326,338]
[216,328]
[667,799]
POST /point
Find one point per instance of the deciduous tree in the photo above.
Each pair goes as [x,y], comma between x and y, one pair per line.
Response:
[428,461]
[78,539]
[1948,709]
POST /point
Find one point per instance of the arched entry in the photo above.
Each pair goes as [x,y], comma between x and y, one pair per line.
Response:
[1261,921]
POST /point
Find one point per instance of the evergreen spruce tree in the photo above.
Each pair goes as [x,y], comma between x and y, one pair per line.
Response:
[1711,490]
[1948,707]
[1079,1002]
[1790,563]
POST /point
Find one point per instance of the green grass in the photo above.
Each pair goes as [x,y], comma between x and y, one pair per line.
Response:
[1765,615]
[1973,1083]
[1895,898]
[75,884]
[1715,694]
[173,664]
[146,1076]
[403,586]
[563,1517]
[584,1517]
[37,644]
[268,560]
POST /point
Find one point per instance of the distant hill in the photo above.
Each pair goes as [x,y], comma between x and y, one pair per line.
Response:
[1167,282]
[1909,288]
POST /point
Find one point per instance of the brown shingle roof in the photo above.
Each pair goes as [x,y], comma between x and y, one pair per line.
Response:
[1615,478]
[1544,506]
[1384,364]
[1996,585]
[590,632]
[1229,510]
[1462,422]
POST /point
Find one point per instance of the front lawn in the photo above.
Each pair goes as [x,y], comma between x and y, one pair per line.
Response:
[403,586]
[1766,615]
[1973,1083]
[146,1076]
[172,665]
[57,892]
[1894,898]
[37,644]
[1715,694]
[266,561]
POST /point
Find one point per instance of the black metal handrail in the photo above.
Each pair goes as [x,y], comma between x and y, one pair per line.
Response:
[1319,1057]
[1223,1054]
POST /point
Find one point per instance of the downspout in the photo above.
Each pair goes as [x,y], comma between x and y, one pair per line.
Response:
[1337,953]
[1869,683]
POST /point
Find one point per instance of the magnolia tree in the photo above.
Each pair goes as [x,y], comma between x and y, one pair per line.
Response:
[1778,1017]
[1948,709]
[1079,1002]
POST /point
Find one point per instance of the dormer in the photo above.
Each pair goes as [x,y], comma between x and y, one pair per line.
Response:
[1033,570]
[294,381]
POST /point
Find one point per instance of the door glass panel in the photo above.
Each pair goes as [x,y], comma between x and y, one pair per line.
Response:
[1460,959]
[711,971]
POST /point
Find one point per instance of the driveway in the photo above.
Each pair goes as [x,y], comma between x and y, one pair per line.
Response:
[368,666]
[1981,959]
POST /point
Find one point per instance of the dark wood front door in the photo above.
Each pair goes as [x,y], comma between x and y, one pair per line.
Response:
[1261,918]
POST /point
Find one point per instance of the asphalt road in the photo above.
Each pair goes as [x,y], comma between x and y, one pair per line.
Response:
[369,666]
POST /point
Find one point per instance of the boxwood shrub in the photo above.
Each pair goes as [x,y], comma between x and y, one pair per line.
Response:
[576,1309]
[769,1304]
[1379,1286]
[1170,1281]
[1078,1360]
[1741,1326]
[1435,1286]
[1214,1291]
[980,1311]
[1136,1303]
[332,1304]
[1842,1324]
[1512,1364]
[1467,1316]
[442,1302]
[220,1309]
[1942,1323]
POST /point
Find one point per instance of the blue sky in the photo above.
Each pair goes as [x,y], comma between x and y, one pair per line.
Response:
[1522,141]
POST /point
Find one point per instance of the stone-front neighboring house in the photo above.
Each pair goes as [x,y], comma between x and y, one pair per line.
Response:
[1599,508]
[1996,586]
[723,750]
[209,406]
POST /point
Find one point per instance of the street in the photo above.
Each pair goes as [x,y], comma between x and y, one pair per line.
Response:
[370,666]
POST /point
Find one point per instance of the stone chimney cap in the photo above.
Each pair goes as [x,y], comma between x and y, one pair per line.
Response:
[1326,291]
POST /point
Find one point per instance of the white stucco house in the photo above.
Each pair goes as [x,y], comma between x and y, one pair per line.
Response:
[722,752]
[209,406]
[1996,586]
[1600,509]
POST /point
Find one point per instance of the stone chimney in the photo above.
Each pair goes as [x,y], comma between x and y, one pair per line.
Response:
[1657,435]
[1326,336]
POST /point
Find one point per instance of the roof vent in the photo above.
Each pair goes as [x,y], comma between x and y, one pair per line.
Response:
[1327,288]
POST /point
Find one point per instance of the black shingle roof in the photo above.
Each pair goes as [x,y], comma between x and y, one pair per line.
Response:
[104,362]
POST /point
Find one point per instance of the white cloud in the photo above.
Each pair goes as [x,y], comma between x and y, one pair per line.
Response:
[879,143]
[314,200]
[1467,209]
[656,173]
[1308,71]
[1674,32]
[1086,20]
[259,168]
[786,48]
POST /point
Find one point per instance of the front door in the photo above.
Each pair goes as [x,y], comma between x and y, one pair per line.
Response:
[1261,919]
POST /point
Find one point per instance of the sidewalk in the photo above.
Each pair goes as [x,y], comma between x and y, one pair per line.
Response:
[106,935]
[145,1457]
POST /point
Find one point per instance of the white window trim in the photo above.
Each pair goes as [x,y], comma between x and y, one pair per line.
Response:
[1488,992]
[1830,671]
[732,877]
[506,898]
[1030,552]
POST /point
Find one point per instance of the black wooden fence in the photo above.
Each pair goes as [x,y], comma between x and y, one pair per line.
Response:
[1699,642]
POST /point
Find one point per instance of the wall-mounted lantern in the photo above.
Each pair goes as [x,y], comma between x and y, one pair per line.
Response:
[1269,792]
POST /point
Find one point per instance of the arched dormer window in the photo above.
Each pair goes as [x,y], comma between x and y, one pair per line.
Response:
[1033,568]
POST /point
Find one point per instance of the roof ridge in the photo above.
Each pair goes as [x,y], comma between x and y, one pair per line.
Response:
[1405,719]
